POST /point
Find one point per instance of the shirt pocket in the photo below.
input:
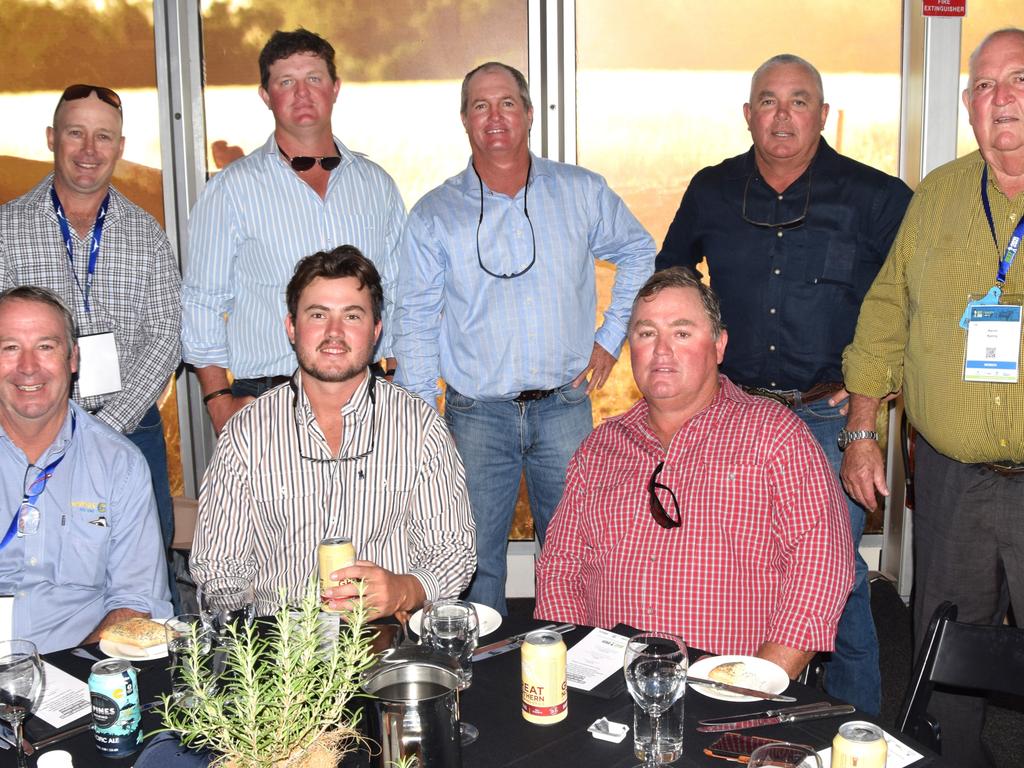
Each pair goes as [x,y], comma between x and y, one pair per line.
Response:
[288,502]
[83,554]
[731,501]
[834,263]
[610,513]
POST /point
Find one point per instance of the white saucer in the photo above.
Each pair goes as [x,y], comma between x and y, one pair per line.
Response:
[120,651]
[760,674]
[489,619]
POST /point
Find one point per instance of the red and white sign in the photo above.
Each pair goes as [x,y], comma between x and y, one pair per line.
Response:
[945,7]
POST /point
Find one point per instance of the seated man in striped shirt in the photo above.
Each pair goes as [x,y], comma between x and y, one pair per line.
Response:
[702,511]
[337,451]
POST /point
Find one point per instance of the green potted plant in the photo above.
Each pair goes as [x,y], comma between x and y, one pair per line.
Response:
[283,696]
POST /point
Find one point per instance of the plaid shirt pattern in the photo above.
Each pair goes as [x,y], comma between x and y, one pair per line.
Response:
[136,291]
[764,552]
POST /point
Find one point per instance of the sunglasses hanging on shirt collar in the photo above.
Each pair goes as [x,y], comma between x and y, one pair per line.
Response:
[789,223]
[371,392]
[526,212]
[304,163]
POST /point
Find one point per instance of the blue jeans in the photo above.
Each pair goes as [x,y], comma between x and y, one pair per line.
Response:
[852,672]
[497,442]
[149,438]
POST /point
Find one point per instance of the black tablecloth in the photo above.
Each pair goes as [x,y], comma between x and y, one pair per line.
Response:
[492,703]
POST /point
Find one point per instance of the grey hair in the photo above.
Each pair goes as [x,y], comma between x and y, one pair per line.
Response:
[785,59]
[44,296]
[986,40]
[490,66]
[683,277]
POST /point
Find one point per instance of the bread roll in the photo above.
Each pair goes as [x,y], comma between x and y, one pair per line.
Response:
[136,633]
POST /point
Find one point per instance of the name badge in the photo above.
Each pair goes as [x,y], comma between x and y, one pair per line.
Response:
[993,344]
[99,371]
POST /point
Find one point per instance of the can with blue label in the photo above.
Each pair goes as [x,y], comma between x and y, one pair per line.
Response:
[116,715]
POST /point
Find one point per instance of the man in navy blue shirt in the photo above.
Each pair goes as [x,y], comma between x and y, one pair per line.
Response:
[794,234]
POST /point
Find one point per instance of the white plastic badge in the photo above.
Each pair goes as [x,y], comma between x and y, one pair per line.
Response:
[993,344]
[99,371]
[7,613]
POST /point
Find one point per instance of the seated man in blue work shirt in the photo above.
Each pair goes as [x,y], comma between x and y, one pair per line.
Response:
[80,546]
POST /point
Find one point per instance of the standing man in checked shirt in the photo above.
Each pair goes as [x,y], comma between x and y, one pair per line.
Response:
[110,262]
[702,511]
[496,295]
[793,234]
[301,192]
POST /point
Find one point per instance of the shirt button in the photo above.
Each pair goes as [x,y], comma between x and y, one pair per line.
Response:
[21,594]
[771,347]
[779,233]
[771,311]
[780,197]
[1003,442]
[997,400]
[776,271]
[772,384]
[32,561]
[654,559]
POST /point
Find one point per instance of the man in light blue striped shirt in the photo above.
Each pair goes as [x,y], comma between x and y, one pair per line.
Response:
[497,296]
[302,192]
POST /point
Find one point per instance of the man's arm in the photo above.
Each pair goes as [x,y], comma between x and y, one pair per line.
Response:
[682,246]
[212,380]
[389,270]
[560,588]
[863,469]
[793,660]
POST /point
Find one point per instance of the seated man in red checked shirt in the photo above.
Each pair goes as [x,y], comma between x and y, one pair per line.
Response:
[701,511]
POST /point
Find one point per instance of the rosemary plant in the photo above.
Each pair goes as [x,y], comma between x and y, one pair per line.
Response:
[280,694]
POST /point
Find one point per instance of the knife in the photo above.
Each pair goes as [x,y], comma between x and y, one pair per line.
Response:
[739,689]
[511,643]
[791,717]
[768,713]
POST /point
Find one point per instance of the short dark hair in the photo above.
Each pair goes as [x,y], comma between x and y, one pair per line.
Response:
[44,296]
[281,45]
[521,84]
[343,261]
[684,277]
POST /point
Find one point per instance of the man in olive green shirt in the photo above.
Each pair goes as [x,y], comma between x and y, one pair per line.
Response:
[969,482]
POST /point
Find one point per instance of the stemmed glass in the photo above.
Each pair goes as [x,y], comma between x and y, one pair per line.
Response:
[452,627]
[655,666]
[784,755]
[21,686]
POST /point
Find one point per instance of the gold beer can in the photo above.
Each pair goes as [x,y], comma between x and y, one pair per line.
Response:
[545,696]
[859,744]
[334,553]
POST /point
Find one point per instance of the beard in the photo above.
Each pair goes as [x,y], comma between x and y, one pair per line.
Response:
[334,375]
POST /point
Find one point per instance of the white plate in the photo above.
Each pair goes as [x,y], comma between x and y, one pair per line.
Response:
[760,674]
[489,619]
[116,650]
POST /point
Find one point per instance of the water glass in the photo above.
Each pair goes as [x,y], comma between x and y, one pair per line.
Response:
[669,746]
[21,686]
[784,755]
[451,626]
[186,633]
[225,601]
[655,666]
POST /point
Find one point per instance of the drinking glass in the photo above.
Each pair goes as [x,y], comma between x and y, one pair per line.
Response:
[185,633]
[452,627]
[784,755]
[655,666]
[21,686]
[226,601]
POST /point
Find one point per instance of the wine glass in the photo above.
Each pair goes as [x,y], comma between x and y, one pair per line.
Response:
[784,755]
[21,686]
[655,666]
[452,627]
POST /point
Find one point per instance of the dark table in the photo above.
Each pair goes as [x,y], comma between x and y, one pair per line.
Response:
[492,704]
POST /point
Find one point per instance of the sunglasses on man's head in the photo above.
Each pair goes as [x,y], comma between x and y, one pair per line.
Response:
[83,91]
[303,163]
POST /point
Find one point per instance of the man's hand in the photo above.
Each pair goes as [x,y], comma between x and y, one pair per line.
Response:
[837,397]
[116,616]
[384,592]
[600,366]
[224,407]
[863,472]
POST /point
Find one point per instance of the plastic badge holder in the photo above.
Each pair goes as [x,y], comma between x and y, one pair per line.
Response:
[606,730]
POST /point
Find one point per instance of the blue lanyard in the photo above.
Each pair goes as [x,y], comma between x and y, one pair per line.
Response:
[36,489]
[1018,232]
[94,243]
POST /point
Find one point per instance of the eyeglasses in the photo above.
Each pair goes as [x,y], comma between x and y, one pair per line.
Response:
[661,517]
[83,91]
[526,212]
[790,224]
[28,512]
[304,163]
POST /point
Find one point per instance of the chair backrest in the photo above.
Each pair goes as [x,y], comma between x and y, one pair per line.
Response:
[976,657]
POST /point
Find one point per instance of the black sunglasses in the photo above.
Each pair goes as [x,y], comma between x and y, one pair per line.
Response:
[83,91]
[789,224]
[304,163]
[661,517]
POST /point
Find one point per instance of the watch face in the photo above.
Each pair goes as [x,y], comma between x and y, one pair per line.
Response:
[843,440]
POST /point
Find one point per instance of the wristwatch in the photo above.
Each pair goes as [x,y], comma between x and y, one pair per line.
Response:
[846,436]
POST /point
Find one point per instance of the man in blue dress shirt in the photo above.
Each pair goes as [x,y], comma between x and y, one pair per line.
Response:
[497,295]
[301,192]
[79,537]
[794,234]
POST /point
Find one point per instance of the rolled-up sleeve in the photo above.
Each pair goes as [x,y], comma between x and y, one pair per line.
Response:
[560,588]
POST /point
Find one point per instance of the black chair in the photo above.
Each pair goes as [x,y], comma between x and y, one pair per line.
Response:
[976,657]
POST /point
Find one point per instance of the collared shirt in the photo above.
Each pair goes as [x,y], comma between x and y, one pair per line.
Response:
[764,552]
[136,292]
[273,491]
[909,334]
[248,230]
[790,296]
[98,546]
[492,338]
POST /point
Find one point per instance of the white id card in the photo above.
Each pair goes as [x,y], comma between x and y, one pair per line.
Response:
[99,371]
[993,344]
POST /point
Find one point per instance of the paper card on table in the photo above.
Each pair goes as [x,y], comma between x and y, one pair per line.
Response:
[594,658]
[65,698]
[899,753]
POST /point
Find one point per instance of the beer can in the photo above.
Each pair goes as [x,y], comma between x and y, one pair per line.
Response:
[545,696]
[116,715]
[859,744]
[333,553]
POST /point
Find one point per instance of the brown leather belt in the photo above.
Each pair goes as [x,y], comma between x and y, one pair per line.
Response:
[527,395]
[1006,469]
[812,395]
